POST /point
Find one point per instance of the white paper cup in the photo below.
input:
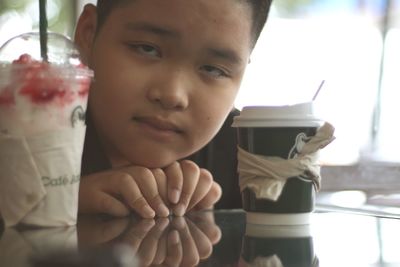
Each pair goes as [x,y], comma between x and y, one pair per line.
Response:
[278,131]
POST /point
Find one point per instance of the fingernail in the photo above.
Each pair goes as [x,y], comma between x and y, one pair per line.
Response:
[162,210]
[174,195]
[148,211]
[179,210]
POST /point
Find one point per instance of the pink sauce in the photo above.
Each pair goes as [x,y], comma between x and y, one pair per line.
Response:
[42,83]
[6,97]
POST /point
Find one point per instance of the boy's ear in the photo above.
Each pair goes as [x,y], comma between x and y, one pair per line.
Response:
[85,32]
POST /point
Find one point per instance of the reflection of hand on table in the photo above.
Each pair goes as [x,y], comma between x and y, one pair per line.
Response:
[145,238]
[177,241]
[173,241]
[204,221]
[94,230]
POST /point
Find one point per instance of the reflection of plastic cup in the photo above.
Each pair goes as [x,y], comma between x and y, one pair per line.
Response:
[42,113]
[278,131]
[18,246]
[278,246]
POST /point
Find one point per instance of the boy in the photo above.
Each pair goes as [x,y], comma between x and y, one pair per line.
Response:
[166,76]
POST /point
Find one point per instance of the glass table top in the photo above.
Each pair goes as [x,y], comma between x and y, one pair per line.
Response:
[207,238]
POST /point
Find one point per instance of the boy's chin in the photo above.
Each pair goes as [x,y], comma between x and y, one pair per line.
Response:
[155,161]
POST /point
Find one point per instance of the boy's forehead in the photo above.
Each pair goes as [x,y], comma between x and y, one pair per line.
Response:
[180,2]
[222,21]
[232,17]
[191,7]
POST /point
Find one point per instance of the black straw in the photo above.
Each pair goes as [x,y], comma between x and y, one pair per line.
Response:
[43,29]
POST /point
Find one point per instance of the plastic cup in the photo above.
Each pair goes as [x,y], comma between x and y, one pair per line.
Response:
[278,131]
[42,129]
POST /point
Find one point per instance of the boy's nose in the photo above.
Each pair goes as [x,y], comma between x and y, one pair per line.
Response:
[170,91]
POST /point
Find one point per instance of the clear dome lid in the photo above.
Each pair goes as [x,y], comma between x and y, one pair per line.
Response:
[60,49]
[21,53]
[22,67]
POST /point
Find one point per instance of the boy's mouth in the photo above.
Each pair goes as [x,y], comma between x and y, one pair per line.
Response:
[158,124]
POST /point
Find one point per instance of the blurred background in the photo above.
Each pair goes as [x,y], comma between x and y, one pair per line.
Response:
[352,45]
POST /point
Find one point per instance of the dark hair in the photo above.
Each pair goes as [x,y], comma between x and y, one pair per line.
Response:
[260,11]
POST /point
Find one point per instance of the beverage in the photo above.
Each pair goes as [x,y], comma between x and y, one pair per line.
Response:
[38,97]
[278,179]
[42,129]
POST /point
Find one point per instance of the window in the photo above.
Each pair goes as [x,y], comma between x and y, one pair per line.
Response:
[17,17]
[344,43]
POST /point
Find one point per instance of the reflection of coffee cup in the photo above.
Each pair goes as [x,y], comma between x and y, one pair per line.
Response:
[275,136]
[278,246]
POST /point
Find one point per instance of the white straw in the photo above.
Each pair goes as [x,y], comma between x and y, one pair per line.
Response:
[319,89]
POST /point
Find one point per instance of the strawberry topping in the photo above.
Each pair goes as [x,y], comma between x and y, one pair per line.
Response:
[42,83]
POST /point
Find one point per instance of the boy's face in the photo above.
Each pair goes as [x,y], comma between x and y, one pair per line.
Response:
[166,75]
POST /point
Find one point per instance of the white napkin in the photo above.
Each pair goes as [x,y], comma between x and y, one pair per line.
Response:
[39,177]
[266,176]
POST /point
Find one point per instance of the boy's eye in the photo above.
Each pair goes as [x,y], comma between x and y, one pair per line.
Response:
[145,49]
[214,71]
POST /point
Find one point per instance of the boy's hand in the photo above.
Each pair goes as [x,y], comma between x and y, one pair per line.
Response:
[117,192]
[183,186]
[190,187]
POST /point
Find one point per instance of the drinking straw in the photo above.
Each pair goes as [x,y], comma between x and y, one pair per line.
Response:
[319,89]
[43,29]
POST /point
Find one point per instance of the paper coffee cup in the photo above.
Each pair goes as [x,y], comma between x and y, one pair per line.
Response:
[278,133]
